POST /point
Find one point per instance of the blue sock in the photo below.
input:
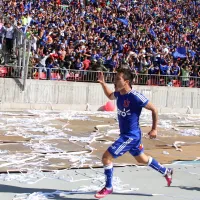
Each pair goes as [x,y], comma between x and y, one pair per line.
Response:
[157,166]
[108,171]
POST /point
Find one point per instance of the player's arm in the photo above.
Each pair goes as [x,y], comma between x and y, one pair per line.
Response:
[109,93]
[153,109]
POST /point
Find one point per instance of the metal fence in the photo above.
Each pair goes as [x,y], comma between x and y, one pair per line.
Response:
[92,76]
[18,58]
[11,72]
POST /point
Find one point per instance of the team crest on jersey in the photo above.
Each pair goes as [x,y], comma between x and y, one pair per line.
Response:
[126,103]
[141,146]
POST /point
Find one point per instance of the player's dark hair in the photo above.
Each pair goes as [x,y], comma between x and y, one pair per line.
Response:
[127,75]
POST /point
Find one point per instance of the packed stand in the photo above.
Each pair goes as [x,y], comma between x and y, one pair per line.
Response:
[150,37]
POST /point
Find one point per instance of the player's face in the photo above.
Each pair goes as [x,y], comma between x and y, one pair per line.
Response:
[120,83]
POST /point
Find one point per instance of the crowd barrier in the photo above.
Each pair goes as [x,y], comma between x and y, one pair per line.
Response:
[92,76]
[20,49]
[11,72]
[17,55]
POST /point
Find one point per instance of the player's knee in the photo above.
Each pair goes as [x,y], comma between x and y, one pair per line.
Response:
[107,158]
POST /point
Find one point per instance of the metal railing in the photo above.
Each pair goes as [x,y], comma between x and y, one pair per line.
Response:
[92,76]
[20,53]
[20,44]
[11,71]
[167,80]
[68,74]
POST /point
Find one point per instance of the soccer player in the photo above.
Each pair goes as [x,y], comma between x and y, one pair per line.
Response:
[129,107]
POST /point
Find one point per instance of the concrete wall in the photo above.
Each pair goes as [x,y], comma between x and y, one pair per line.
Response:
[60,95]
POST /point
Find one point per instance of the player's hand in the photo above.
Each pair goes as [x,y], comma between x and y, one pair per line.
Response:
[152,134]
[101,78]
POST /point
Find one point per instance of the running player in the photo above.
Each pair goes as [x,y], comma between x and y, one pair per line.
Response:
[129,107]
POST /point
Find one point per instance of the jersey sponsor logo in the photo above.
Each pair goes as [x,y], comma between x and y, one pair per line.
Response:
[123,113]
[126,103]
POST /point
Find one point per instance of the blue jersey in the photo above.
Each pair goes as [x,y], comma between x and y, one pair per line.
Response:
[129,107]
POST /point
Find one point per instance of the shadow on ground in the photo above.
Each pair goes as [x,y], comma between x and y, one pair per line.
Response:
[22,190]
[187,188]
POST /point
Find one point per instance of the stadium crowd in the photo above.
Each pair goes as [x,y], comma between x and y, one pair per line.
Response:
[156,37]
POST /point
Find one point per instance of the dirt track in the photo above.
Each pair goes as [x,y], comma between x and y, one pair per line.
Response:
[70,140]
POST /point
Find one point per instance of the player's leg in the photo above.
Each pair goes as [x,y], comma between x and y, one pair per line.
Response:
[138,153]
[151,162]
[108,171]
[108,168]
[118,148]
